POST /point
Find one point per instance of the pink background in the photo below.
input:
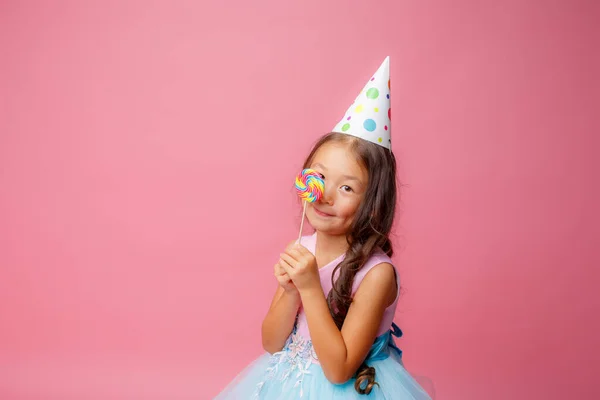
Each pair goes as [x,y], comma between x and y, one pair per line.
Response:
[147,152]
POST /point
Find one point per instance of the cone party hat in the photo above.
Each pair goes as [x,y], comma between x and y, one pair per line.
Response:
[369,117]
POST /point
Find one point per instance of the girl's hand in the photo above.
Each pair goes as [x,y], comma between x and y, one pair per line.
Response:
[284,279]
[301,266]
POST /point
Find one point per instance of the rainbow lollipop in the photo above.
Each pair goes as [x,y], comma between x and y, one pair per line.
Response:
[310,187]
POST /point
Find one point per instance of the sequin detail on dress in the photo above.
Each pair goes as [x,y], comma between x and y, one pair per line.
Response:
[293,361]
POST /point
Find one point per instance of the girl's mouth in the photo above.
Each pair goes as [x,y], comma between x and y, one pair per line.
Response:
[322,214]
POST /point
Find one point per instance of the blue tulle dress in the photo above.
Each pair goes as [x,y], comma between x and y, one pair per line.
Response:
[295,372]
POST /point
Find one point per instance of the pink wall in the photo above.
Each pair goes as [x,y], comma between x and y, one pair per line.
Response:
[147,151]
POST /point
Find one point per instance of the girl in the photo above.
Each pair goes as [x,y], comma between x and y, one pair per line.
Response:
[329,330]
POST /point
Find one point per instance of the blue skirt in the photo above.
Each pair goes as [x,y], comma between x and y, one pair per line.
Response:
[294,373]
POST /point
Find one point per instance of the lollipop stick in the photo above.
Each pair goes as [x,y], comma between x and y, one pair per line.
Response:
[302,223]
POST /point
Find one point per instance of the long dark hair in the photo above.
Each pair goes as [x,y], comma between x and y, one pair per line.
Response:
[370,229]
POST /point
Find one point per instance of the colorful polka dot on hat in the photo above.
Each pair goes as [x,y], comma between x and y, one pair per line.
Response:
[369,117]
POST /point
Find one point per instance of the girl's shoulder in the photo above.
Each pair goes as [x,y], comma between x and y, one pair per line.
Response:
[378,257]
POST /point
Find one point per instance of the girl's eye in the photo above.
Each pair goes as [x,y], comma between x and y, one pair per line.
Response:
[347,188]
[322,176]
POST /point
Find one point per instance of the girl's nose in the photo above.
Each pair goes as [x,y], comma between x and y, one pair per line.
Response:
[328,195]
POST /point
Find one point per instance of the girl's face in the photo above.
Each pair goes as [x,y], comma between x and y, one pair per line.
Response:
[345,186]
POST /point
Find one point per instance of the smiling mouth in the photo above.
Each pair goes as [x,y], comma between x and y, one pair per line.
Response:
[322,214]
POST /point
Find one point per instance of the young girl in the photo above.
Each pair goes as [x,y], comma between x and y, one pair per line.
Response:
[329,330]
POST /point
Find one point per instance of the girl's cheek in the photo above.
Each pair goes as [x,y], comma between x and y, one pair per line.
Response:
[348,209]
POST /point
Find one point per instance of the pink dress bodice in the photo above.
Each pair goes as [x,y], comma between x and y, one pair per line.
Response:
[325,274]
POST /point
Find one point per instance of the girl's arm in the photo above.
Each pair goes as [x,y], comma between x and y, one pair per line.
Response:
[341,352]
[279,321]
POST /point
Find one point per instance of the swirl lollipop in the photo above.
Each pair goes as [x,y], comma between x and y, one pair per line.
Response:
[310,187]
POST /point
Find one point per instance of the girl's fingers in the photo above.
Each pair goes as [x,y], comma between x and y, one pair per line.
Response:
[286,266]
[279,271]
[300,259]
[294,252]
[290,261]
[301,250]
[290,246]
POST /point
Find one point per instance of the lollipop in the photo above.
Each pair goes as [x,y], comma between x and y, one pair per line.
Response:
[310,187]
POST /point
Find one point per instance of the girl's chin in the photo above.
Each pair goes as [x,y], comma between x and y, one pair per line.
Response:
[323,227]
[317,225]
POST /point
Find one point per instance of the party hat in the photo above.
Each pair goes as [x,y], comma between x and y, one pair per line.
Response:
[369,117]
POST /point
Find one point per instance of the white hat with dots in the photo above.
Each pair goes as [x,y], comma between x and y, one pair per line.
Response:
[369,117]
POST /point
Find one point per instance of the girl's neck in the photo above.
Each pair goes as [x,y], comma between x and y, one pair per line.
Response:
[329,247]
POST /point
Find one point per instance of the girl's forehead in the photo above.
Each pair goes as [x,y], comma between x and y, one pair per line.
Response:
[338,157]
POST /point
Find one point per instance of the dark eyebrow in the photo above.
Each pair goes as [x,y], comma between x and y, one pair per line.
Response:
[347,177]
